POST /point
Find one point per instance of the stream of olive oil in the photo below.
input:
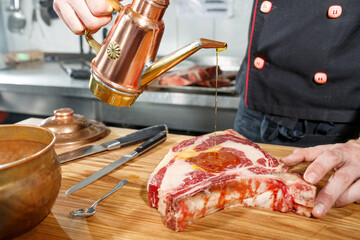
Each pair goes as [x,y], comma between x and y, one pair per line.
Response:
[216,93]
[216,89]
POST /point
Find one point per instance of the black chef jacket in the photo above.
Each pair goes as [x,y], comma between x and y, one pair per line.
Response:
[291,43]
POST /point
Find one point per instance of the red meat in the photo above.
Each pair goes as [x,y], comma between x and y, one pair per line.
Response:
[221,170]
[194,76]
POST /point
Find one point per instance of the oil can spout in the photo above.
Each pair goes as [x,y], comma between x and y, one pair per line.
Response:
[166,63]
[206,43]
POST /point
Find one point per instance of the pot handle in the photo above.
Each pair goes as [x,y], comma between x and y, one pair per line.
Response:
[115,4]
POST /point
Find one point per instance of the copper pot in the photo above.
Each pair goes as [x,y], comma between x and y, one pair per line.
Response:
[30,177]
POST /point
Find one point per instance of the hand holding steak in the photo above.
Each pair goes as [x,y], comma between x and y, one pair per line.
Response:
[343,186]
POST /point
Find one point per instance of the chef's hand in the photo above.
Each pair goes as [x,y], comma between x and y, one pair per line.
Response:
[343,186]
[79,15]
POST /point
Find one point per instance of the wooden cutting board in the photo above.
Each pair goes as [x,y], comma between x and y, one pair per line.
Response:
[127,215]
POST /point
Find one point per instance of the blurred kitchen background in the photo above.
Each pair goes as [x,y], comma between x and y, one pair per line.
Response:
[39,81]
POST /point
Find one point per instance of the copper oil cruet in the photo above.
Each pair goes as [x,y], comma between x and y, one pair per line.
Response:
[125,61]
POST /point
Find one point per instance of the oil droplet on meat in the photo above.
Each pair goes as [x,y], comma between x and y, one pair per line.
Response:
[214,161]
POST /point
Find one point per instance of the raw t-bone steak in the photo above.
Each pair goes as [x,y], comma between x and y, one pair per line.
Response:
[221,170]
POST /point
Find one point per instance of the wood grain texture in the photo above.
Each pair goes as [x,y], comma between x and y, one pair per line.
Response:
[127,215]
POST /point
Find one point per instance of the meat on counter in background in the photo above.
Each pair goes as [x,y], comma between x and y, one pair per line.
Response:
[199,76]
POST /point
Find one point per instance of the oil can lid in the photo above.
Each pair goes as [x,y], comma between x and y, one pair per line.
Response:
[73,129]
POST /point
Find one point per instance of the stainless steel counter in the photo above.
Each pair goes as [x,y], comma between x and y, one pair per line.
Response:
[39,88]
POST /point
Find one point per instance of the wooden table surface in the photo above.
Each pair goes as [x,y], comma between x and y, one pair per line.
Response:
[127,215]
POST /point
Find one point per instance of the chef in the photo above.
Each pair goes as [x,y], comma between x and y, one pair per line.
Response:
[297,84]
[299,79]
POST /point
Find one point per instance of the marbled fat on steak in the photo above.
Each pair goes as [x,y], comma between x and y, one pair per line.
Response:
[221,170]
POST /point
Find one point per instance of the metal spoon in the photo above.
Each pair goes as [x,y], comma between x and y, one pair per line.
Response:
[16,20]
[91,210]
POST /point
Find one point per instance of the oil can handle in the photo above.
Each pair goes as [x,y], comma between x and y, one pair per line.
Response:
[115,4]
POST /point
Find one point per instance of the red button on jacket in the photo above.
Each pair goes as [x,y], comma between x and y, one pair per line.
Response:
[259,63]
[266,7]
[334,11]
[320,78]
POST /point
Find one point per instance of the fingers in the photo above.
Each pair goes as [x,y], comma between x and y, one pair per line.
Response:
[99,7]
[337,185]
[86,17]
[352,194]
[329,159]
[304,155]
[79,15]
[69,17]
[326,159]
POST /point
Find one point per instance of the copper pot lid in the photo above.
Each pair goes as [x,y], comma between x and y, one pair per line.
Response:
[73,129]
